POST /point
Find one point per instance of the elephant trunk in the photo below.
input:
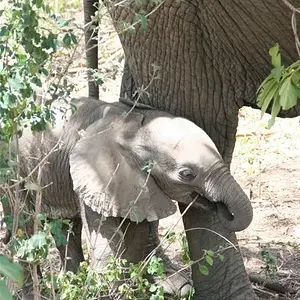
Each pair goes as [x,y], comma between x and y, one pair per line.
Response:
[233,206]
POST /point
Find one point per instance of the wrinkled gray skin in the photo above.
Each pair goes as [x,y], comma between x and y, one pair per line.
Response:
[102,156]
[213,56]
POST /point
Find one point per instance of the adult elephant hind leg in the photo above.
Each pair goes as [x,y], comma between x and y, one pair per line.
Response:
[71,254]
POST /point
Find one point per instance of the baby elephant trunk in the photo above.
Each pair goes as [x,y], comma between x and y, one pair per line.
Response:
[233,206]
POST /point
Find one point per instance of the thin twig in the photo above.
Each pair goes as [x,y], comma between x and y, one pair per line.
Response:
[294,23]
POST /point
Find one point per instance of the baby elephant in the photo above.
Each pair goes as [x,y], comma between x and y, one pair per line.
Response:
[118,169]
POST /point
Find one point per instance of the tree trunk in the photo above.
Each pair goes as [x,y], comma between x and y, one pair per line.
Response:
[91,45]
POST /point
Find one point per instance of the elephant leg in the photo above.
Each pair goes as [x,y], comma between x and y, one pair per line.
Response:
[176,283]
[133,242]
[71,254]
[128,87]
[108,238]
[226,279]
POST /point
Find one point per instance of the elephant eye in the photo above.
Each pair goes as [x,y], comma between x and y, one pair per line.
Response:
[187,174]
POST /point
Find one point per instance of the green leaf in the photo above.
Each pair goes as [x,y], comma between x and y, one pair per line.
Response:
[4,292]
[203,269]
[267,93]
[39,3]
[44,71]
[275,56]
[277,73]
[156,267]
[210,253]
[57,233]
[221,257]
[63,23]
[37,81]
[296,77]
[10,269]
[142,20]
[152,288]
[275,110]
[148,166]
[209,260]
[73,38]
[288,94]
[16,83]
[67,40]
[140,2]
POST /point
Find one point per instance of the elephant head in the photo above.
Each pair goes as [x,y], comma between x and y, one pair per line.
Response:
[132,166]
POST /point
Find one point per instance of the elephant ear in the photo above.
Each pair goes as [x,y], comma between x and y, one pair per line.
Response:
[110,180]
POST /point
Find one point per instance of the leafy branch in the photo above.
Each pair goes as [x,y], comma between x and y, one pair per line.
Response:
[282,86]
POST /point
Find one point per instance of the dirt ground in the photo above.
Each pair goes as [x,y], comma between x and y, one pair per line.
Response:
[266,163]
[273,179]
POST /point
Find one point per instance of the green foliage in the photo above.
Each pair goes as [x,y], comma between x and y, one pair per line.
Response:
[4,292]
[118,279]
[270,263]
[140,17]
[5,167]
[282,86]
[156,267]
[249,150]
[148,166]
[172,237]
[185,252]
[209,257]
[29,38]
[205,263]
[54,226]
[83,285]
[97,76]
[63,6]
[36,248]
[9,270]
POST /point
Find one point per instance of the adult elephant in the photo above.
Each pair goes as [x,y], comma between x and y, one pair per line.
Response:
[212,54]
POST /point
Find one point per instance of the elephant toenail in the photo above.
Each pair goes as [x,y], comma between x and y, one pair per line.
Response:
[185,290]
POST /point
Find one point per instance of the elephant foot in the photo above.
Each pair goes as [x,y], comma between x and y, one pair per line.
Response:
[176,283]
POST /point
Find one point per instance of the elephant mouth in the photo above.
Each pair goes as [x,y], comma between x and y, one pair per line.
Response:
[201,202]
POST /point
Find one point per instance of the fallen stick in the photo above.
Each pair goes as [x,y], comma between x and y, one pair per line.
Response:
[253,133]
[271,285]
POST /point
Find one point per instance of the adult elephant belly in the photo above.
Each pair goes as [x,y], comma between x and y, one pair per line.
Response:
[211,56]
[204,60]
